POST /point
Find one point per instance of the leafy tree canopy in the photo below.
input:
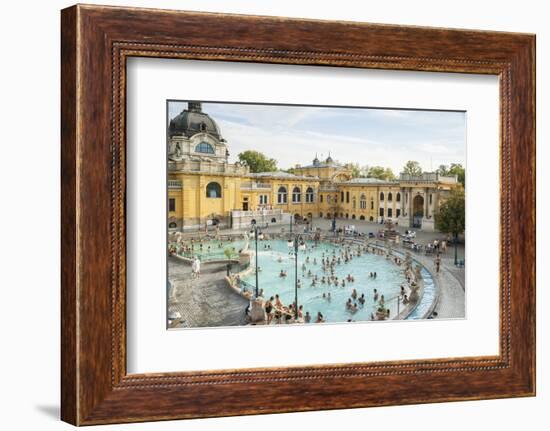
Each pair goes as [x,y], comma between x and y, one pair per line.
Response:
[455,169]
[257,162]
[380,173]
[412,168]
[451,217]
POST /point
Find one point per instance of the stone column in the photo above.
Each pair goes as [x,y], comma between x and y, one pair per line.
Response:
[426,202]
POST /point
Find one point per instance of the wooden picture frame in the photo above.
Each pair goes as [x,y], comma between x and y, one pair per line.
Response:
[95,43]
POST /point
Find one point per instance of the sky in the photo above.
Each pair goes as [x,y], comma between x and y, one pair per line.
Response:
[372,137]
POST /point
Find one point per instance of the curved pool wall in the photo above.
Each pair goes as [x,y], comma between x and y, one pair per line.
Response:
[426,304]
[429,296]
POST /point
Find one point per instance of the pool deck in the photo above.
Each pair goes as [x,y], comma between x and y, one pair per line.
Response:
[205,302]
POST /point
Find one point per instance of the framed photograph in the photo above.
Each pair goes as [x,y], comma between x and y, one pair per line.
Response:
[326,213]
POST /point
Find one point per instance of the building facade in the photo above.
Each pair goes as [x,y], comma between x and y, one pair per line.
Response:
[204,188]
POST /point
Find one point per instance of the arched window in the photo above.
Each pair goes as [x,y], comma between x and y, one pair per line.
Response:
[354,203]
[363,202]
[390,212]
[398,197]
[362,218]
[281,195]
[204,147]
[381,196]
[309,195]
[172,225]
[371,203]
[353,216]
[213,190]
[296,195]
[390,197]
[320,215]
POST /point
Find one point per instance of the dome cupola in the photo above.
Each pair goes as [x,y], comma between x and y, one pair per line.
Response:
[191,121]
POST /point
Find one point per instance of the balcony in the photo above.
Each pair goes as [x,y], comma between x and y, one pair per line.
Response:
[174,185]
[207,167]
[256,186]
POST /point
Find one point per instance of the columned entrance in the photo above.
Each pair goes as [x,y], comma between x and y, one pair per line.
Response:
[418,211]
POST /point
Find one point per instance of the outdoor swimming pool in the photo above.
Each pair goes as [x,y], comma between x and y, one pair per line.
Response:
[215,249]
[281,257]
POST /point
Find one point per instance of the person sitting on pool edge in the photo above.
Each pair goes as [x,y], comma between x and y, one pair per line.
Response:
[268,309]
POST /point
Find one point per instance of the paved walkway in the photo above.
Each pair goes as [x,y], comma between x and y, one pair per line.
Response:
[450,281]
[206,301]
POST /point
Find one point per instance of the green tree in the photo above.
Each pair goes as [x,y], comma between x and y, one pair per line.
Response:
[412,168]
[229,253]
[257,162]
[389,175]
[455,169]
[354,168]
[459,171]
[380,173]
[451,217]
[443,170]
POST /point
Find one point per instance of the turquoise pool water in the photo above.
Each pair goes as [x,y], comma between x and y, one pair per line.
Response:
[280,257]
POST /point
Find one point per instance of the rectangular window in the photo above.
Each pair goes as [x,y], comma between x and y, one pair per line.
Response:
[321,198]
[398,212]
[171,205]
[342,196]
[347,197]
[381,212]
[389,212]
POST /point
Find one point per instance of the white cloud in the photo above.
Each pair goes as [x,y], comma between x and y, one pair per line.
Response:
[293,134]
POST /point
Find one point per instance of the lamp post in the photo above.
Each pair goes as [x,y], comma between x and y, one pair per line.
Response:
[398,306]
[297,239]
[254,225]
[456,248]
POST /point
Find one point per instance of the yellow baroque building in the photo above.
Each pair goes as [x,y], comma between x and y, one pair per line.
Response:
[205,189]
